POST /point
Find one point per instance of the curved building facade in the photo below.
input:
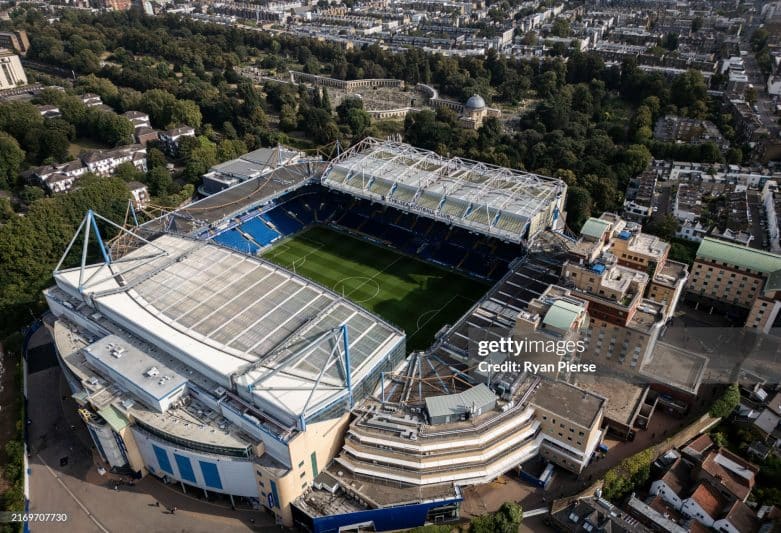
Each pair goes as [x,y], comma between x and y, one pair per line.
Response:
[213,369]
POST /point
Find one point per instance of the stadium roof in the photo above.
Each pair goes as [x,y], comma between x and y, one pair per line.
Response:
[480,197]
[238,319]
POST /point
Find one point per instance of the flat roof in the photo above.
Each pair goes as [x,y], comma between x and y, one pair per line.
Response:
[238,319]
[562,314]
[681,369]
[595,228]
[622,397]
[568,401]
[139,368]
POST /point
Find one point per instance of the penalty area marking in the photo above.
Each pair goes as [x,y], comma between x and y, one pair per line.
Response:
[366,279]
[285,249]
[433,313]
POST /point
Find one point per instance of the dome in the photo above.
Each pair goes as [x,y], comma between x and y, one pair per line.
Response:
[475,102]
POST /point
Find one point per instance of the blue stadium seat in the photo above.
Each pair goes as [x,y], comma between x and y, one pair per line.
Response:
[281,220]
[233,239]
[260,232]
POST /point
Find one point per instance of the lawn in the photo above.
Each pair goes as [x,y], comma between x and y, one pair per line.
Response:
[83,145]
[414,295]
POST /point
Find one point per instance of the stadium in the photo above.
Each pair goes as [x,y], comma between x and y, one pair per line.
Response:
[227,346]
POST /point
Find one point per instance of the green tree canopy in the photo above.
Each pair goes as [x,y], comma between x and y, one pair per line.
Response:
[11,158]
[727,402]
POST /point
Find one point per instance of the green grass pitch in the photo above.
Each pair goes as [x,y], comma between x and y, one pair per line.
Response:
[416,296]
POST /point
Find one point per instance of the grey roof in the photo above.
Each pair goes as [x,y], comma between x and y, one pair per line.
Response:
[475,102]
[270,156]
[119,356]
[455,404]
[135,114]
[568,401]
[239,168]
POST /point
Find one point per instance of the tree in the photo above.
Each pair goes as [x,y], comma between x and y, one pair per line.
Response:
[637,157]
[201,158]
[159,105]
[358,120]
[603,190]
[561,28]
[108,127]
[670,41]
[319,125]
[186,145]
[32,245]
[325,101]
[17,118]
[735,156]
[230,149]
[47,144]
[128,172]
[6,210]
[11,158]
[186,112]
[155,158]
[663,226]
[506,520]
[750,94]
[688,88]
[683,252]
[101,86]
[727,402]
[30,194]
[631,473]
[579,207]
[288,118]
[159,181]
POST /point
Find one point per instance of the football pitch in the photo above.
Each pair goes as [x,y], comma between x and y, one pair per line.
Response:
[416,296]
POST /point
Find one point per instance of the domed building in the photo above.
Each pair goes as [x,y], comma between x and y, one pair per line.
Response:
[475,111]
[474,103]
[472,113]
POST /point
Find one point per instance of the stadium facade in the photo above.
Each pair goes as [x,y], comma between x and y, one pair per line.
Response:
[200,363]
[197,361]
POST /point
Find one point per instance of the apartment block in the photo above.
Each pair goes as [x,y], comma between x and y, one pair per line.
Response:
[742,281]
[11,71]
[15,40]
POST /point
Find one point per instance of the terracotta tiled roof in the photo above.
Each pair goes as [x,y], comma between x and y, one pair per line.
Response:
[701,443]
[738,479]
[709,499]
[742,517]
[678,476]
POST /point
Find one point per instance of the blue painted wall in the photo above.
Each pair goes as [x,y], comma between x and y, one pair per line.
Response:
[211,476]
[185,468]
[163,460]
[402,517]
